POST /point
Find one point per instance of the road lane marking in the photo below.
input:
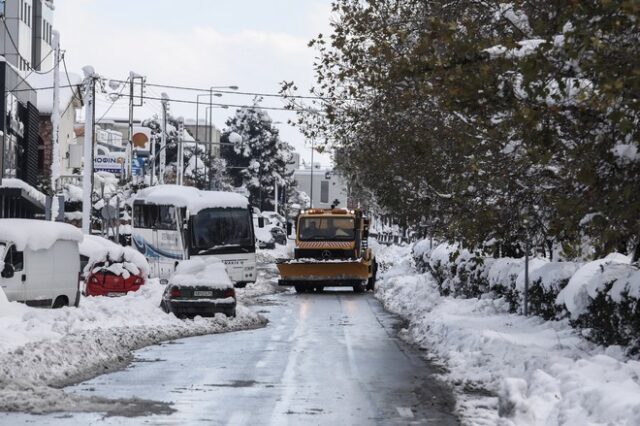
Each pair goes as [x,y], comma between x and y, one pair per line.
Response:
[405,412]
[260,364]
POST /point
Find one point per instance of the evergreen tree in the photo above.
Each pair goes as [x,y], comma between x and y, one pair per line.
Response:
[256,156]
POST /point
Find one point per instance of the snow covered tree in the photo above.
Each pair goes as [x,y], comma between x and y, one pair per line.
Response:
[499,121]
[256,156]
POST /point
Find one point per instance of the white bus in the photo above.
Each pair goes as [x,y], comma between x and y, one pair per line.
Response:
[172,223]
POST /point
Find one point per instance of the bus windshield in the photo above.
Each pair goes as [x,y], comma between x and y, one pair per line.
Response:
[327,228]
[221,228]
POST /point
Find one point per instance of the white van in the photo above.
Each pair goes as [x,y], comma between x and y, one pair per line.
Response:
[39,262]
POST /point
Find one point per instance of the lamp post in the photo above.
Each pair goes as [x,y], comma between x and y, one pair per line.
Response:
[211,94]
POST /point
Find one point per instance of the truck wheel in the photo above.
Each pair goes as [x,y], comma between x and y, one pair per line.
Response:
[300,289]
[358,288]
[371,282]
[60,302]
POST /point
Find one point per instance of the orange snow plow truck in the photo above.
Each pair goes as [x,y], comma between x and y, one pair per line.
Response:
[331,251]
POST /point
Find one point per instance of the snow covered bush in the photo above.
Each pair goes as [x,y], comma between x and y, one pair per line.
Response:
[502,278]
[421,252]
[603,299]
[546,283]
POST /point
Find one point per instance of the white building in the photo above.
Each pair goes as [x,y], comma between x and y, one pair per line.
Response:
[329,188]
[26,40]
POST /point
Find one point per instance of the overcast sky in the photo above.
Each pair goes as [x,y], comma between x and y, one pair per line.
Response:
[254,44]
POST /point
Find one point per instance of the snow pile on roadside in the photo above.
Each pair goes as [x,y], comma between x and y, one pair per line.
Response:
[510,369]
[41,348]
[266,256]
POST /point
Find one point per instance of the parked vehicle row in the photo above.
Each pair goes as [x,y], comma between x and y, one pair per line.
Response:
[200,244]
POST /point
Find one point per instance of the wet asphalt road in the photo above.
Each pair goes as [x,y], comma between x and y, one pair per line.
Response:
[324,359]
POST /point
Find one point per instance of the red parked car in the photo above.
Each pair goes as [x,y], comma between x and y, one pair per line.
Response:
[110,269]
[111,279]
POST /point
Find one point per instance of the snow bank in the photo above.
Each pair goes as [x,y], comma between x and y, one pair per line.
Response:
[510,369]
[198,272]
[41,348]
[36,234]
[585,284]
[191,198]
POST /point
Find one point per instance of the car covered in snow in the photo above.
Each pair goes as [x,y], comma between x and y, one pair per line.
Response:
[39,262]
[200,287]
[111,269]
[264,238]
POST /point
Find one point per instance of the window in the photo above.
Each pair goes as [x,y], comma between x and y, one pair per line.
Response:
[15,258]
[327,228]
[324,191]
[213,229]
[154,217]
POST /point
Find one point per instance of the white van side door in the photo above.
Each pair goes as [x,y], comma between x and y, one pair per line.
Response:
[14,287]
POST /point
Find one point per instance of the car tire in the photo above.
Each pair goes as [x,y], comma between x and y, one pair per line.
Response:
[231,313]
[61,301]
[358,288]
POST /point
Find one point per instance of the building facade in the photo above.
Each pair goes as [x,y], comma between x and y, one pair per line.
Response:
[26,36]
[324,186]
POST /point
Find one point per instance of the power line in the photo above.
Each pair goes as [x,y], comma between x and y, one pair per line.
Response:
[112,103]
[185,101]
[235,92]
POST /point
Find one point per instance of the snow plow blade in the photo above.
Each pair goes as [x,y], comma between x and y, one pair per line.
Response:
[319,273]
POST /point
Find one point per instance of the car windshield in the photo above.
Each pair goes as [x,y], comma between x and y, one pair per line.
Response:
[212,228]
[327,228]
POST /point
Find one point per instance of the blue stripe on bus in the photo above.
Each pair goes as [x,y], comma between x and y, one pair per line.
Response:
[150,251]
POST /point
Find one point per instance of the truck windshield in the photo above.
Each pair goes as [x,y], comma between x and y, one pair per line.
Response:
[327,228]
[214,229]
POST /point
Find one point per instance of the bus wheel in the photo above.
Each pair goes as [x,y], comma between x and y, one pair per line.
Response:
[319,289]
[300,289]
[358,288]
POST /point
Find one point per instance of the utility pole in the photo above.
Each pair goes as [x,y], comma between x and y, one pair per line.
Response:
[180,168]
[55,112]
[153,159]
[312,149]
[129,152]
[163,141]
[87,174]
